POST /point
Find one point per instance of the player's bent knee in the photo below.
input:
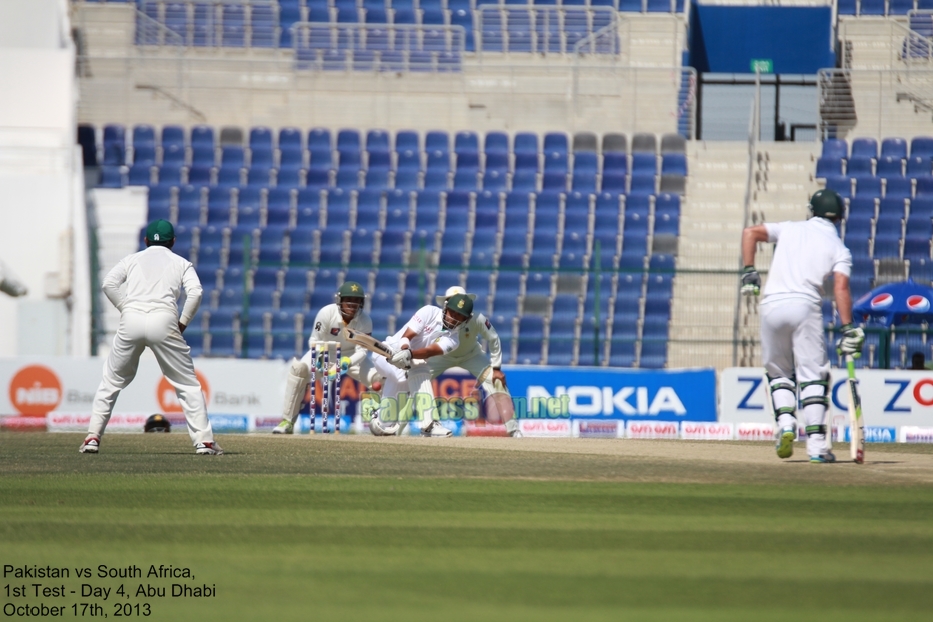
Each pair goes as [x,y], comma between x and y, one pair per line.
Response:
[300,369]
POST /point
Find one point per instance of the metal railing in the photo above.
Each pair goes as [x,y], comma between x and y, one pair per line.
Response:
[210,23]
[378,47]
[878,102]
[546,29]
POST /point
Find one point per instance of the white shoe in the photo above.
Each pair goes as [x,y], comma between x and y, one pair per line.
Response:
[436,430]
[284,427]
[511,426]
[208,449]
[91,445]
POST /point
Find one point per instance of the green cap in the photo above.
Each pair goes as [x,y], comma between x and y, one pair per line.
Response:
[827,204]
[160,232]
[351,289]
[461,303]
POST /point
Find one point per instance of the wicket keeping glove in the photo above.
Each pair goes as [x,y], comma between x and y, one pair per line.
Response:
[751,282]
[401,359]
[851,341]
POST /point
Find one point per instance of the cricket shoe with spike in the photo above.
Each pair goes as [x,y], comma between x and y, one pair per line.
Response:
[511,426]
[208,449]
[285,427]
[91,445]
[827,457]
[785,442]
[436,430]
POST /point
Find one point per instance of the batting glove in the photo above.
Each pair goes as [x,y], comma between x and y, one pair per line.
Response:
[401,359]
[751,282]
[851,341]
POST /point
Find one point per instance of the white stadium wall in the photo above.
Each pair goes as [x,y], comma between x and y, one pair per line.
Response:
[44,237]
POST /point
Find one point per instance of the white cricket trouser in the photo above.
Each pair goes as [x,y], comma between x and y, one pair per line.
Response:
[157,330]
[793,346]
[395,380]
[792,340]
[416,382]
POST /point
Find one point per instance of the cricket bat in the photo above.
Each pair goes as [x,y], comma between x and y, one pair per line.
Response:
[856,425]
[366,341]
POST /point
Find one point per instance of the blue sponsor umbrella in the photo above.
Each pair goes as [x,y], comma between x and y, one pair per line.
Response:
[894,304]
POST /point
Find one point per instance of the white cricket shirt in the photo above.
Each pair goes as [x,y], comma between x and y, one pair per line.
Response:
[428,326]
[328,326]
[476,328]
[806,253]
[154,279]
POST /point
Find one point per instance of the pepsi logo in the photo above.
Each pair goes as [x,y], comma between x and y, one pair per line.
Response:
[882,301]
[918,304]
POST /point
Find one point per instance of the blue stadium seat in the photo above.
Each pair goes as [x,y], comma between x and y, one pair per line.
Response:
[828,165]
[918,166]
[864,147]
[427,211]
[866,185]
[840,184]
[530,339]
[642,184]
[898,187]
[860,166]
[835,148]
[921,146]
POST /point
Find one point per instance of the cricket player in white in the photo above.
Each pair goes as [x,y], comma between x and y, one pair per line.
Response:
[792,345]
[346,312]
[470,356]
[149,318]
[431,332]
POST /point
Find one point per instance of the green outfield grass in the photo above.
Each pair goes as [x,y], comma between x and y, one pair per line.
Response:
[338,530]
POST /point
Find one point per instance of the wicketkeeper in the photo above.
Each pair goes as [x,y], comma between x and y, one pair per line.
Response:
[346,311]
[792,345]
[149,318]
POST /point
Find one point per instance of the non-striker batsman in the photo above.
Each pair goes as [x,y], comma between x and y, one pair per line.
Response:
[793,348]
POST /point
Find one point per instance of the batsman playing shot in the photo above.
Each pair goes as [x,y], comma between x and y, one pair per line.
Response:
[793,349]
[485,366]
[430,333]
[346,312]
[149,318]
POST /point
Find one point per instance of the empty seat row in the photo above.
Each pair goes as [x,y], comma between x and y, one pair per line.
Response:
[176,145]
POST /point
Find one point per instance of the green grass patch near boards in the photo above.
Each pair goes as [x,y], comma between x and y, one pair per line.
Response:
[351,531]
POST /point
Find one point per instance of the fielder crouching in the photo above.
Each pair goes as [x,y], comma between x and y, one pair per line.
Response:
[149,318]
[346,312]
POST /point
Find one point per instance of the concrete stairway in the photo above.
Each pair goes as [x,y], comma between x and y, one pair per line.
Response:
[703,308]
[706,292]
[783,184]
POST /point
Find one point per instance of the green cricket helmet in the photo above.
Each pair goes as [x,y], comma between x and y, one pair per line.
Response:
[827,204]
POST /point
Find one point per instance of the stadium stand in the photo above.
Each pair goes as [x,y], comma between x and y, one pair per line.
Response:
[260,240]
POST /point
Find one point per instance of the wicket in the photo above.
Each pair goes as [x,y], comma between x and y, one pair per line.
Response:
[330,383]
